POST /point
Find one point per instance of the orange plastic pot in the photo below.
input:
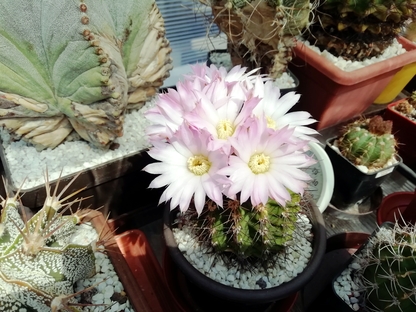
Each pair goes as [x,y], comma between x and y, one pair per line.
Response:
[332,95]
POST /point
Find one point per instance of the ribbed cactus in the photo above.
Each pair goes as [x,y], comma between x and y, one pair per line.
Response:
[39,263]
[261,33]
[390,272]
[368,142]
[361,29]
[249,232]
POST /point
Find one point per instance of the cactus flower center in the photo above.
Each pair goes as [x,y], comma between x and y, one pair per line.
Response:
[199,164]
[225,129]
[259,163]
[271,123]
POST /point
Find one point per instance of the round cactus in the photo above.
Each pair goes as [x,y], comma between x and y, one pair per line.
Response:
[390,272]
[39,261]
[368,142]
[248,232]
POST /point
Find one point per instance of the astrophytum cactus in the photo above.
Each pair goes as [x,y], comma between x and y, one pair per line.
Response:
[39,260]
[75,67]
[368,142]
[389,272]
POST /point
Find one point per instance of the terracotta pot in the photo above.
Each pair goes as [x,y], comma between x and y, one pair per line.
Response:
[136,266]
[394,206]
[245,299]
[332,95]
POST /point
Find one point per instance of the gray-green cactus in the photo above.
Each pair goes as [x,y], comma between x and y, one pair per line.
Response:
[389,275]
[71,68]
[368,142]
[39,264]
[249,232]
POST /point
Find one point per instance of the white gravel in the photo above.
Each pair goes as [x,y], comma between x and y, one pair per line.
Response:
[23,161]
[287,265]
[393,50]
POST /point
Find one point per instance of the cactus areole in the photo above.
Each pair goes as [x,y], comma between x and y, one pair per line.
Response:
[71,69]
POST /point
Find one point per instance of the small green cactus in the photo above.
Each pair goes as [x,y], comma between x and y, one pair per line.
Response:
[368,142]
[389,275]
[248,232]
[39,264]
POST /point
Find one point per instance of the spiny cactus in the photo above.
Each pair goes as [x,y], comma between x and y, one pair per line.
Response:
[390,271]
[368,142]
[39,263]
[261,32]
[248,232]
[357,30]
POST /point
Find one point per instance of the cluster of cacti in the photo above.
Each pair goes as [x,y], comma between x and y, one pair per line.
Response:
[361,29]
[39,263]
[245,231]
[71,69]
[261,32]
[388,271]
[368,142]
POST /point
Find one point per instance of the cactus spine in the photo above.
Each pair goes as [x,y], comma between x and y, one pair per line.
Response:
[248,232]
[39,263]
[368,142]
[390,272]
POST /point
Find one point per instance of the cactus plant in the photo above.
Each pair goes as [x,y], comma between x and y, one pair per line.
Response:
[246,232]
[40,261]
[388,269]
[261,33]
[71,69]
[368,142]
[357,30]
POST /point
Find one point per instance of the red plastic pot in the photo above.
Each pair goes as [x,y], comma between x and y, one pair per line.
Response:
[404,130]
[332,95]
[393,208]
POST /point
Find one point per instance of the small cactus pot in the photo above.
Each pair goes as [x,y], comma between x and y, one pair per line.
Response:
[352,185]
[220,295]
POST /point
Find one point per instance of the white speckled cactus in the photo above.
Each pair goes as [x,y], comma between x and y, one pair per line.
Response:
[39,262]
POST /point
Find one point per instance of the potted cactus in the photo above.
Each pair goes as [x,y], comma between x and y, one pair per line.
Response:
[380,274]
[231,161]
[261,33]
[403,115]
[355,31]
[362,155]
[67,260]
[72,73]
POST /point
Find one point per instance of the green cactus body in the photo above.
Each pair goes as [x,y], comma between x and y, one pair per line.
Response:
[368,142]
[39,264]
[390,274]
[249,232]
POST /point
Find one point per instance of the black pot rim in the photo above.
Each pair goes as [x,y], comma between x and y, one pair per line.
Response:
[249,296]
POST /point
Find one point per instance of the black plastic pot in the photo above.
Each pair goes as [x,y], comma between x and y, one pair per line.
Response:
[218,295]
[351,184]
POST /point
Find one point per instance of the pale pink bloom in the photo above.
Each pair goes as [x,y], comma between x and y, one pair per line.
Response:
[188,170]
[265,164]
[275,108]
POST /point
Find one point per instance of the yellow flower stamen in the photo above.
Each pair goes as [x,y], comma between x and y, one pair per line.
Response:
[259,163]
[225,129]
[271,123]
[199,164]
